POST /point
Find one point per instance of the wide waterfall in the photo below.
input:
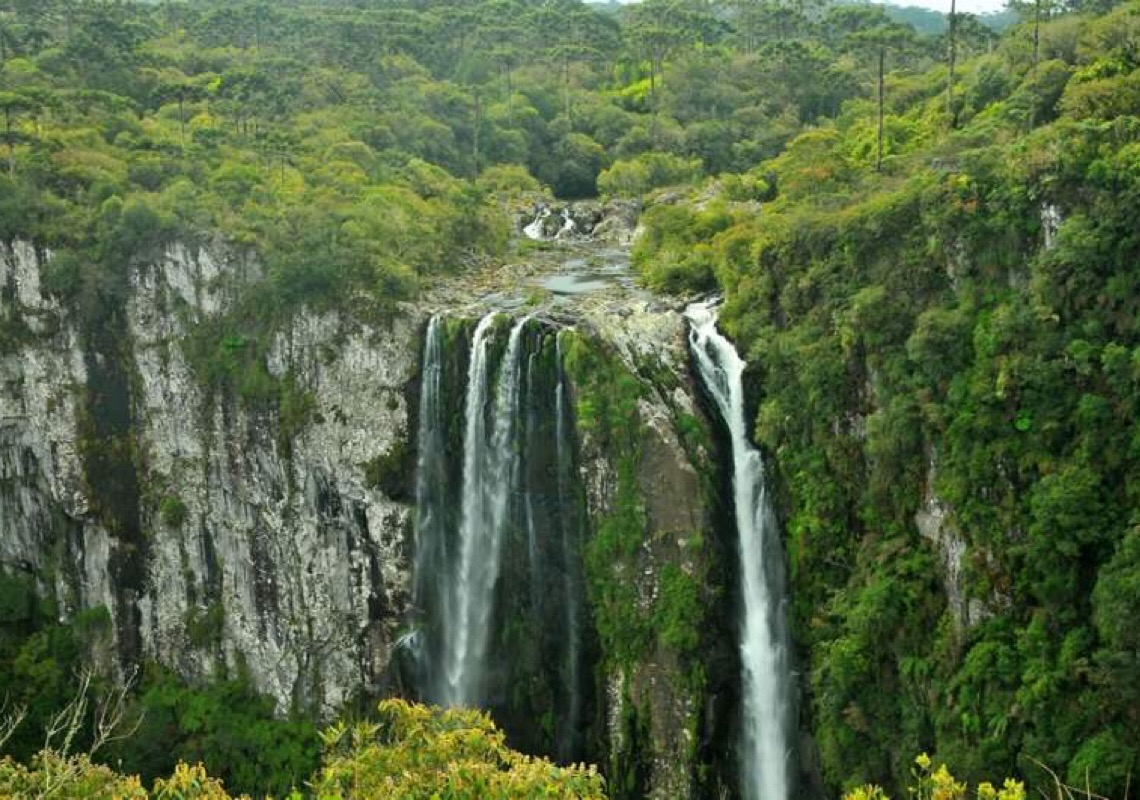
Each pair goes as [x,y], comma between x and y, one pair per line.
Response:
[765,740]
[499,527]
[488,466]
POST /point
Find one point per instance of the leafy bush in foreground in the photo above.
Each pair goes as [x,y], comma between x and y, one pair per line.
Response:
[412,752]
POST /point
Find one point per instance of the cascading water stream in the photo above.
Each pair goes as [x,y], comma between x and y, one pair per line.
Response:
[534,229]
[499,614]
[765,739]
[431,482]
[531,523]
[569,226]
[487,479]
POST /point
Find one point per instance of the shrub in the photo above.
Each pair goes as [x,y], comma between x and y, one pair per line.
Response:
[420,752]
[648,171]
[931,783]
[172,511]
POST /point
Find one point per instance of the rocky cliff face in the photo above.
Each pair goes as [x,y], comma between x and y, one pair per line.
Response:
[43,497]
[256,537]
[656,714]
[264,548]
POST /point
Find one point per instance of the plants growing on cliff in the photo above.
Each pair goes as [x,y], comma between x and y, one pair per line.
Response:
[172,511]
[951,332]
[951,339]
[606,405]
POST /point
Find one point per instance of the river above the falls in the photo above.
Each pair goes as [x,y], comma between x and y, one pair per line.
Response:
[603,269]
[582,278]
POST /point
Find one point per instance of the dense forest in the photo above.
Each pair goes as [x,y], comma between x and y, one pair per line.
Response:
[928,249]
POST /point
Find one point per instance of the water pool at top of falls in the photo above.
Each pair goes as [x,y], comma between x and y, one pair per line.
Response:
[577,276]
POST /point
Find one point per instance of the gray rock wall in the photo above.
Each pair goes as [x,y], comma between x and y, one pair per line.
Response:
[266,552]
[269,546]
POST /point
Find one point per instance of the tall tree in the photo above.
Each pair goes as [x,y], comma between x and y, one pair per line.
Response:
[574,34]
[658,29]
[12,106]
[951,39]
[878,40]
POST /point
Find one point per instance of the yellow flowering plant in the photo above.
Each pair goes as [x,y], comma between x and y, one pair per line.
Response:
[937,783]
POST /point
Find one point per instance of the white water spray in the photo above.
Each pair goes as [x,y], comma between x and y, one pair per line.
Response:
[534,229]
[569,226]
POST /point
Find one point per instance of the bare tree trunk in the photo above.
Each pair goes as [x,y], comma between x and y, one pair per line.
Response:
[475,135]
[181,121]
[1036,33]
[566,91]
[8,140]
[879,156]
[950,82]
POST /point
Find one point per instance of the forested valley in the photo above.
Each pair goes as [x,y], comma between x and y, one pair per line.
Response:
[927,242]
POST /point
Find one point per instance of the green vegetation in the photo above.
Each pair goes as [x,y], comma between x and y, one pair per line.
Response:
[931,260]
[636,176]
[415,752]
[38,659]
[172,511]
[679,610]
[956,317]
[226,726]
[606,411]
[929,783]
[636,622]
[410,753]
[204,626]
[393,472]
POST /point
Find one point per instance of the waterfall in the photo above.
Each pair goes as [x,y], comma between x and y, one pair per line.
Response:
[499,524]
[488,467]
[765,738]
[569,226]
[530,520]
[535,229]
[431,482]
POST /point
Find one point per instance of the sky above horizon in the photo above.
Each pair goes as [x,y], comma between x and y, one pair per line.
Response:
[969,6]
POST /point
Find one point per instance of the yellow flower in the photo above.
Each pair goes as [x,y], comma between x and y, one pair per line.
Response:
[923,761]
[869,792]
[1012,790]
[945,787]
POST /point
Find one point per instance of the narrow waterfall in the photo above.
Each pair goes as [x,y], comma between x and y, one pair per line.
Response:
[765,745]
[569,226]
[499,528]
[534,229]
[431,487]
